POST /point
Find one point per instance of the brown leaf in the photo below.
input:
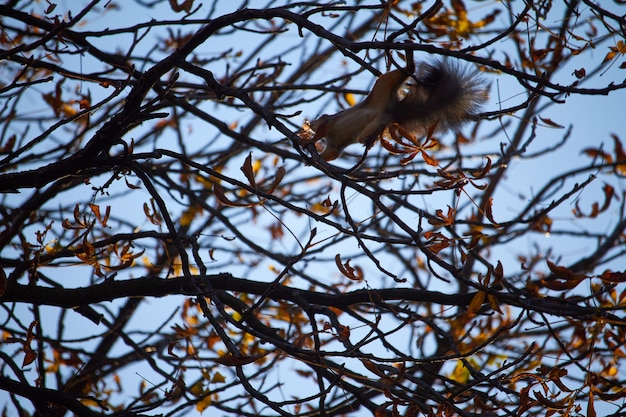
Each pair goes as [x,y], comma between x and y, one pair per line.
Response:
[170,349]
[230,360]
[96,211]
[354,273]
[221,197]
[443,219]
[8,145]
[567,278]
[280,174]
[29,357]
[247,170]
[407,159]
[620,155]
[561,271]
[483,172]
[580,73]
[344,333]
[184,6]
[372,367]
[549,122]
[613,277]
[498,273]
[390,147]
[552,405]
[591,409]
[488,212]
[595,153]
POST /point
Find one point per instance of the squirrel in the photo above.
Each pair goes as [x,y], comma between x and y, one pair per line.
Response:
[443,96]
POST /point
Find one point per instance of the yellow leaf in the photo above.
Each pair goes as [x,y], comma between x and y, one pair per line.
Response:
[349,97]
[203,404]
[493,303]
[69,110]
[460,374]
[218,378]
[477,302]
[197,389]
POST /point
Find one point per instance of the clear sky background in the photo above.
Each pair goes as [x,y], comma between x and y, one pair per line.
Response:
[594,119]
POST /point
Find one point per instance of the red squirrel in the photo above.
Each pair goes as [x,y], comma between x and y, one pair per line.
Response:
[443,93]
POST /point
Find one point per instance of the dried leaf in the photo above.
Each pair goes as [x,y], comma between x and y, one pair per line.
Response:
[483,172]
[247,170]
[221,197]
[280,174]
[549,122]
[203,403]
[184,6]
[372,367]
[477,302]
[580,73]
[355,273]
[488,212]
[344,333]
[429,159]
[390,147]
[218,378]
[29,356]
[613,277]
[591,409]
[230,360]
[552,405]
[620,155]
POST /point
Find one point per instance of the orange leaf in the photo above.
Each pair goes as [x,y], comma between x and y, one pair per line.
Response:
[408,158]
[429,159]
[389,147]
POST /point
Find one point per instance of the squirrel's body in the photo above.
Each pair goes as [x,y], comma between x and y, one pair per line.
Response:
[443,96]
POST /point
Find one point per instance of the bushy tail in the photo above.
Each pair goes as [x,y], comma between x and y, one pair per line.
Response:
[446,93]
